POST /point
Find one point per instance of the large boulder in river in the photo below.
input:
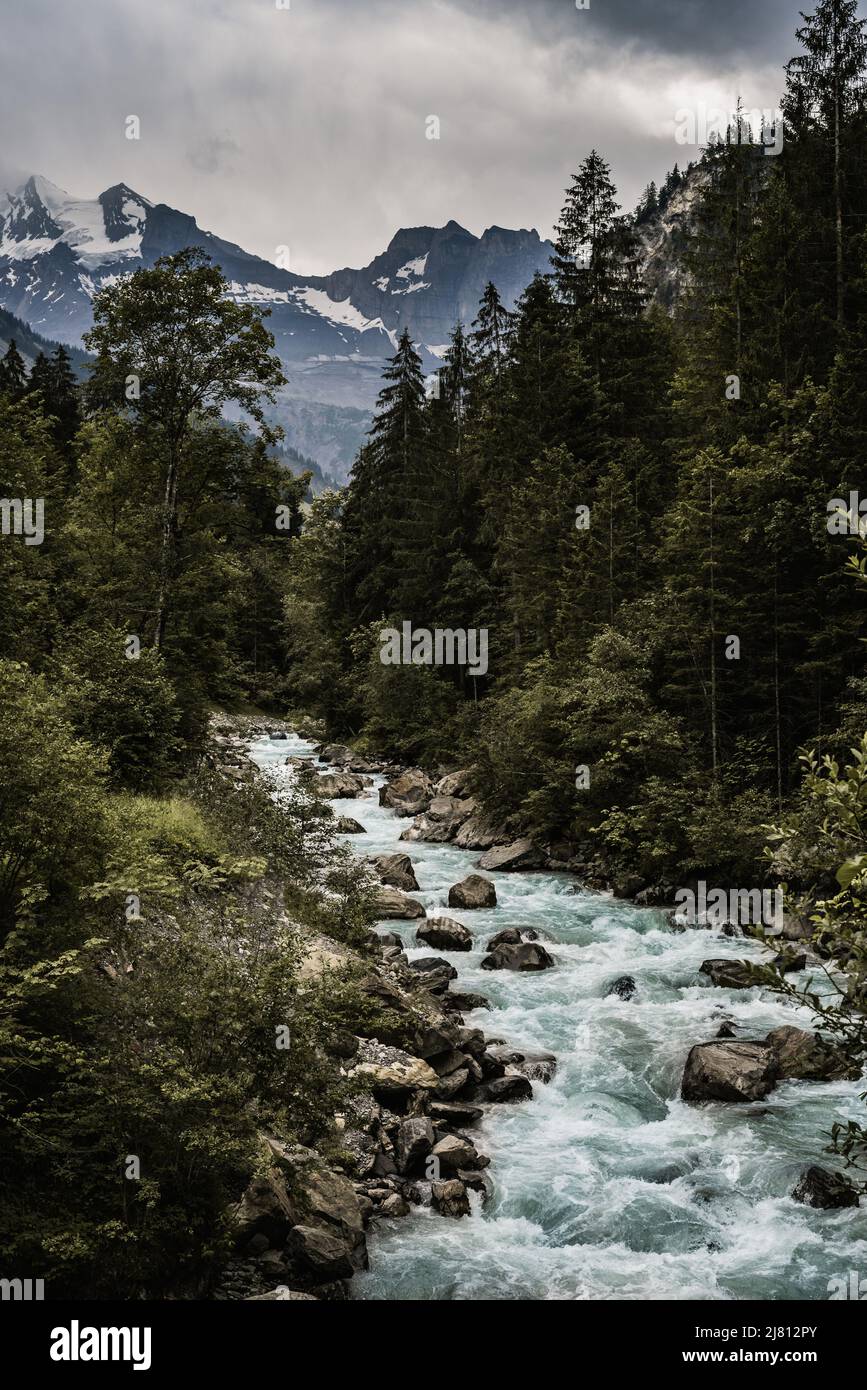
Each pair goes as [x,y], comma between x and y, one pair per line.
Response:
[445,934]
[473,891]
[735,1071]
[527,956]
[506,1090]
[395,870]
[520,854]
[441,822]
[455,1152]
[819,1187]
[802,1056]
[623,987]
[335,785]
[393,905]
[346,825]
[409,794]
[535,1063]
[728,974]
[450,1198]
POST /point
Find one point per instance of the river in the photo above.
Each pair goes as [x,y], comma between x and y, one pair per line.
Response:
[606,1185]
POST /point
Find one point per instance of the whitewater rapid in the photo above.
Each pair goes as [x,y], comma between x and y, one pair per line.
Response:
[606,1186]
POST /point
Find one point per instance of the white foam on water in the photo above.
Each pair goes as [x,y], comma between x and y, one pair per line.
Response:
[606,1185]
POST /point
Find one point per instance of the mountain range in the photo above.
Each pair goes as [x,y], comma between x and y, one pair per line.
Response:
[332,333]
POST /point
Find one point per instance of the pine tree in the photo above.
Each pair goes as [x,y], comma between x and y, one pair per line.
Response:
[825,96]
[13,373]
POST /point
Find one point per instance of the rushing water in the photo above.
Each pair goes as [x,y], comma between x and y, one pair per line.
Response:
[606,1185]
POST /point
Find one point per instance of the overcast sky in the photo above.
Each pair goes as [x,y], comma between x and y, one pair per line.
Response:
[306,126]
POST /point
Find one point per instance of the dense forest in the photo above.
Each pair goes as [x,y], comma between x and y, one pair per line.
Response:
[637,507]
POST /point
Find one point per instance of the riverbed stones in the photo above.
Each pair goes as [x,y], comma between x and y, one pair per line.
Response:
[264,1211]
[436,973]
[392,904]
[464,1001]
[526,956]
[390,1070]
[731,1071]
[802,1056]
[347,825]
[395,870]
[505,1090]
[341,785]
[474,891]
[445,934]
[415,1139]
[535,1063]
[477,832]
[623,987]
[441,822]
[454,1152]
[728,974]
[450,1198]
[317,1254]
[520,854]
[455,784]
[409,794]
[458,1113]
[819,1187]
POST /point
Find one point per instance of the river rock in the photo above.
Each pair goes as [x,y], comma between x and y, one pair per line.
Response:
[623,987]
[281,1295]
[455,1112]
[450,1198]
[455,1152]
[456,784]
[527,956]
[340,785]
[408,794]
[395,870]
[818,1187]
[728,974]
[415,1139]
[472,892]
[453,1084]
[264,1210]
[394,1206]
[445,934]
[464,1001]
[734,1071]
[435,973]
[477,832]
[346,825]
[335,753]
[318,1254]
[802,1056]
[390,1070]
[520,854]
[441,822]
[320,1197]
[535,1063]
[506,1089]
[393,905]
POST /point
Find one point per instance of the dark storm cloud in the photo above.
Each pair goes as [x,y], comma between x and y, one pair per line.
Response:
[306,126]
[757,29]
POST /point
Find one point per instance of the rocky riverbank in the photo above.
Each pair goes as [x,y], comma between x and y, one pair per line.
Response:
[408,1139]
